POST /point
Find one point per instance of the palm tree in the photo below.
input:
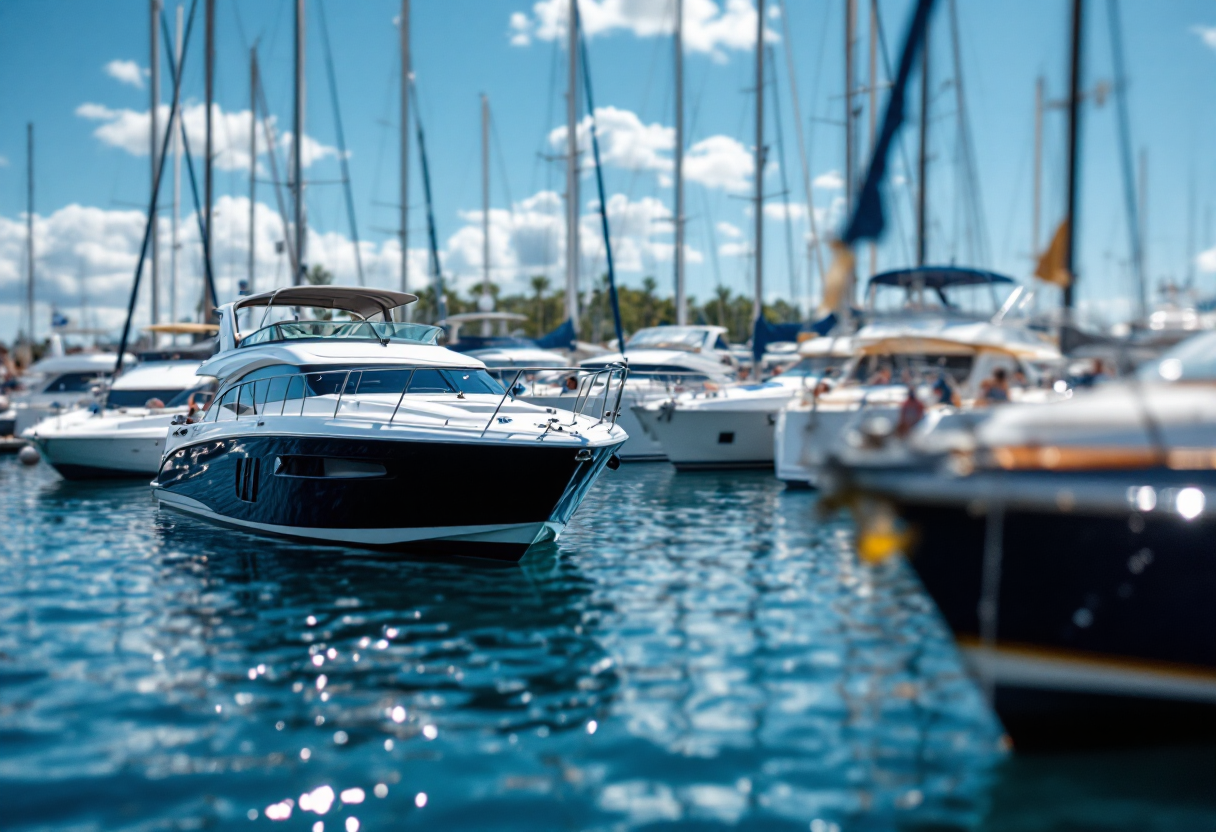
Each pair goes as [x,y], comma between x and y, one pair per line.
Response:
[540,285]
[648,286]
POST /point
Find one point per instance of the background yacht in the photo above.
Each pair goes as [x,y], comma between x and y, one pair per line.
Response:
[494,344]
[124,434]
[732,426]
[366,433]
[58,384]
[662,360]
[922,325]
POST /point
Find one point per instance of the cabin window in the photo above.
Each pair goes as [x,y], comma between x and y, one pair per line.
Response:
[73,383]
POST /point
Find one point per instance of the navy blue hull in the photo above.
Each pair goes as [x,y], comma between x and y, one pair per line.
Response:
[1120,591]
[284,482]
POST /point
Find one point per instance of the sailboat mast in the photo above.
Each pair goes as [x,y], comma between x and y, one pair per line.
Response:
[175,128]
[758,298]
[873,76]
[850,81]
[572,199]
[681,301]
[29,234]
[209,302]
[1074,131]
[297,150]
[922,173]
[487,302]
[405,153]
[1037,210]
[154,112]
[253,163]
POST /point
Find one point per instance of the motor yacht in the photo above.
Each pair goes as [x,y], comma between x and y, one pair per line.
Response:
[57,384]
[364,432]
[662,361]
[731,426]
[1071,547]
[123,435]
[931,344]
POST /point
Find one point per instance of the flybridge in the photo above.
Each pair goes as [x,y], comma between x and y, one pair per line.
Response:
[360,303]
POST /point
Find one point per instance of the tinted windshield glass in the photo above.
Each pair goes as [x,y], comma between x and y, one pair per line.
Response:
[356,330]
[670,337]
[1192,360]
[72,383]
[891,369]
[140,398]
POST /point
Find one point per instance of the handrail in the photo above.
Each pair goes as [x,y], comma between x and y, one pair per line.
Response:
[233,396]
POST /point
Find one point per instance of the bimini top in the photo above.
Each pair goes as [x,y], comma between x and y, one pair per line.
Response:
[355,299]
[938,277]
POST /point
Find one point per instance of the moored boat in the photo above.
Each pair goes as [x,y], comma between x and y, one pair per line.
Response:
[366,433]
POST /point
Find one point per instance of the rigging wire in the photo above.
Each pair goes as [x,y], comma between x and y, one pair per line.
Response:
[341,135]
[791,261]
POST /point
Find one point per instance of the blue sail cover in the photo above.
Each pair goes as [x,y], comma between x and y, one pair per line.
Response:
[561,338]
[765,333]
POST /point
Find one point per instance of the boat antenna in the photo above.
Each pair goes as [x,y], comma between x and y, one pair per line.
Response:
[151,219]
[599,182]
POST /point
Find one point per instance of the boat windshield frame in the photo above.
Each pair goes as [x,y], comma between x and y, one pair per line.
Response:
[383,332]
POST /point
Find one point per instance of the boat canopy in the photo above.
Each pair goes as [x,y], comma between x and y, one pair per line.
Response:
[938,277]
[358,300]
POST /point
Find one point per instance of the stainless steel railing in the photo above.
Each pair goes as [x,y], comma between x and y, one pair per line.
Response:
[242,398]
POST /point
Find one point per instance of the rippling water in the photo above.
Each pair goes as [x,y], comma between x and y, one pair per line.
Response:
[696,651]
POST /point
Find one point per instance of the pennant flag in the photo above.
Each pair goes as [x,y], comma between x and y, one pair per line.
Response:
[1051,266]
[836,281]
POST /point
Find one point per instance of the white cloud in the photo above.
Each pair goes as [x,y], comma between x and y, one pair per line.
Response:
[739,249]
[719,162]
[726,229]
[1206,260]
[126,72]
[1207,34]
[778,210]
[830,181]
[128,130]
[709,28]
[624,140]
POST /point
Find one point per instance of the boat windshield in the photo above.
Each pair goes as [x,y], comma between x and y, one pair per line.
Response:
[1192,360]
[981,300]
[815,365]
[668,338]
[897,368]
[344,330]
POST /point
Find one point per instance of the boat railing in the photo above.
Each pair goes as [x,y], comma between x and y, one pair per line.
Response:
[541,383]
[257,397]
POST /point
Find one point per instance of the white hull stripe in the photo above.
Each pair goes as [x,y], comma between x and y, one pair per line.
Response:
[1047,672]
[512,533]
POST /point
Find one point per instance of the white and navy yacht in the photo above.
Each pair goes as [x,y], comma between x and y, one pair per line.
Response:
[1071,547]
[364,432]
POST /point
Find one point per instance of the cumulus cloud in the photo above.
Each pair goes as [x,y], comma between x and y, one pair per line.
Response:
[1207,34]
[830,181]
[128,130]
[726,229]
[719,162]
[624,140]
[1206,261]
[709,28]
[779,210]
[126,72]
[87,255]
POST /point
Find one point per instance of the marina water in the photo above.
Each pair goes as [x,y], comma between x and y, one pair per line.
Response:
[697,651]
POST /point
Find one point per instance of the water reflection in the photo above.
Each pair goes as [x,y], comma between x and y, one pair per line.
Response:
[695,651]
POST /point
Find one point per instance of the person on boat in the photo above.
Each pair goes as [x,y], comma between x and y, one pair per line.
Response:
[995,390]
[910,412]
[880,376]
[943,390]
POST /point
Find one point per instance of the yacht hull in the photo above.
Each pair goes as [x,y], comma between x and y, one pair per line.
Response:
[103,457]
[489,500]
[1105,623]
[705,439]
[805,437]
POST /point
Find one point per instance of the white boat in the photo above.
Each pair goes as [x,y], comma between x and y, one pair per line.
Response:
[58,384]
[732,426]
[367,433]
[917,344]
[124,434]
[662,361]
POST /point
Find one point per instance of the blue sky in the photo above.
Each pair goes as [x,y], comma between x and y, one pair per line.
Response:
[75,70]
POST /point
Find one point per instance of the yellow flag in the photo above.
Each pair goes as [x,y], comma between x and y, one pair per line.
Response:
[836,281]
[1051,265]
